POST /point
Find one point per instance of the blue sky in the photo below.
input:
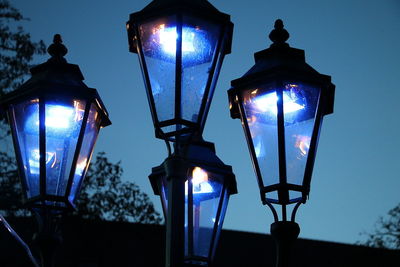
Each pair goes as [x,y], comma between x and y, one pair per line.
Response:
[357,172]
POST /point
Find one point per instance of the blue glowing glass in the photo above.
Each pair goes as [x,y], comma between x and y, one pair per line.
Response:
[206,192]
[63,122]
[159,43]
[299,109]
[28,141]
[168,37]
[195,46]
[200,182]
[89,140]
[268,103]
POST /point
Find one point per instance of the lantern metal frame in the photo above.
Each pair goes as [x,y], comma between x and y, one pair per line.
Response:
[178,168]
[199,9]
[54,79]
[278,65]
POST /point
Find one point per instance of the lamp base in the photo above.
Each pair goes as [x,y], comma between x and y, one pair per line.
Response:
[48,238]
[285,234]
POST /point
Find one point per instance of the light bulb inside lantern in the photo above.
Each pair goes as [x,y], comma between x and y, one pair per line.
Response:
[200,182]
[194,40]
[168,37]
[268,103]
[57,118]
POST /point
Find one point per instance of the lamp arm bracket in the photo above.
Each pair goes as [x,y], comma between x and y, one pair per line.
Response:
[294,211]
[19,239]
[273,210]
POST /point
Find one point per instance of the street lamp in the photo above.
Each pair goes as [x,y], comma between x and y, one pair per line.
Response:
[181,45]
[55,120]
[281,101]
[208,185]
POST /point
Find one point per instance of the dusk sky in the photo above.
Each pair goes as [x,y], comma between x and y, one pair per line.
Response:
[356,176]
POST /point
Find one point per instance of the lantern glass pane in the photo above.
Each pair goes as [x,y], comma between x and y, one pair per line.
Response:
[273,196]
[28,141]
[295,195]
[203,194]
[260,108]
[200,39]
[199,42]
[158,40]
[89,140]
[299,106]
[63,123]
[220,220]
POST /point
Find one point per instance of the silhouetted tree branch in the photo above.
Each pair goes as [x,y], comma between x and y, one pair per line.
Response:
[387,231]
[17,49]
[105,196]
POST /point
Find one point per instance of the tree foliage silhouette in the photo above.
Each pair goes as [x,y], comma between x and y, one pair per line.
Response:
[16,53]
[104,195]
[387,231]
[17,48]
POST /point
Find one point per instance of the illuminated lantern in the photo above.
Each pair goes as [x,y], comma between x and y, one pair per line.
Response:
[208,185]
[181,45]
[55,120]
[281,101]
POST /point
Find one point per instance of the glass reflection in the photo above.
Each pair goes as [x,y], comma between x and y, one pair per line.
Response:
[89,140]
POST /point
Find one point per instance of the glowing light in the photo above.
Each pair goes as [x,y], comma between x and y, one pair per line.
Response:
[268,103]
[58,116]
[200,182]
[167,37]
[199,176]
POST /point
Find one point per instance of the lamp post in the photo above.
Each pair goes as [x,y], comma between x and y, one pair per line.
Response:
[55,120]
[281,102]
[208,185]
[181,45]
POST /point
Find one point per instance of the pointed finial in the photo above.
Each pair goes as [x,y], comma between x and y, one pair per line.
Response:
[279,35]
[57,49]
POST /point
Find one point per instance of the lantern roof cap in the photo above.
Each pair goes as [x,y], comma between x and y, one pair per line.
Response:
[57,50]
[56,76]
[198,153]
[278,57]
[280,62]
[197,8]
[203,4]
[57,63]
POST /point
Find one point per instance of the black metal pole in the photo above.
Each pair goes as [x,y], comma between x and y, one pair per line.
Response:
[285,234]
[175,240]
[48,239]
